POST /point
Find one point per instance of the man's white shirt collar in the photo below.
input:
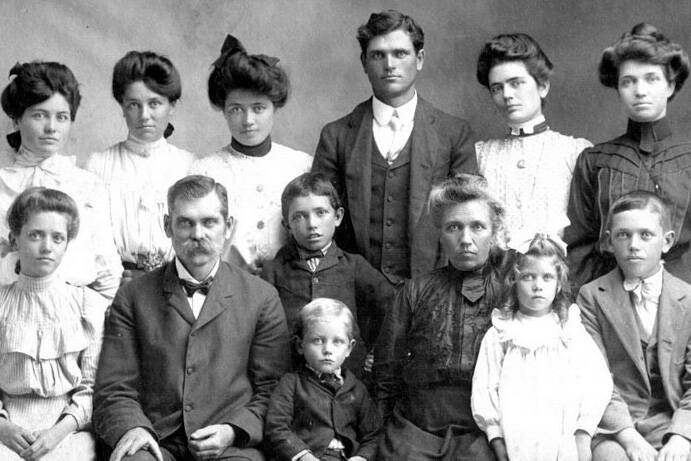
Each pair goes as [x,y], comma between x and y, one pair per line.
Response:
[383,112]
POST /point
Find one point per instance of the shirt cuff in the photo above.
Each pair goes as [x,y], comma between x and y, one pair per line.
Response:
[494,432]
[299,455]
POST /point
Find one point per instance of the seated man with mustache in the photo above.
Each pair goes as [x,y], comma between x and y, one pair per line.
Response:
[192,350]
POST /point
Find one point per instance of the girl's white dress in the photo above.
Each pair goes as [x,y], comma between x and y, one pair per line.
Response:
[531,176]
[50,339]
[536,382]
[137,177]
[254,185]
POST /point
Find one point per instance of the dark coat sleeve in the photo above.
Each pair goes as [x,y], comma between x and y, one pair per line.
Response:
[116,391]
[463,158]
[278,429]
[326,157]
[374,294]
[268,360]
[583,233]
[368,425]
[390,352]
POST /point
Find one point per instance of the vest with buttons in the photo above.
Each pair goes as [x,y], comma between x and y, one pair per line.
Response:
[388,228]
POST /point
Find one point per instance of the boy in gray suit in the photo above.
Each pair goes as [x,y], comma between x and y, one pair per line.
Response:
[640,317]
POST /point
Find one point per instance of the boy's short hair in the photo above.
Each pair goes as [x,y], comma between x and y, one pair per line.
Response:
[320,308]
[642,200]
[305,184]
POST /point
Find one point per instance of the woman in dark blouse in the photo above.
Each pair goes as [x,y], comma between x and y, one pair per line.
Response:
[647,70]
[426,353]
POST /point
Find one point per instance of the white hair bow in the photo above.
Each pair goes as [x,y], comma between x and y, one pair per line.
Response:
[522,241]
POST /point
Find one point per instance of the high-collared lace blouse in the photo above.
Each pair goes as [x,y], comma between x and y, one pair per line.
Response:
[50,339]
[531,176]
[137,177]
[255,185]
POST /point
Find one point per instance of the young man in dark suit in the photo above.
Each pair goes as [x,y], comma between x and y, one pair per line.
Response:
[385,155]
[192,350]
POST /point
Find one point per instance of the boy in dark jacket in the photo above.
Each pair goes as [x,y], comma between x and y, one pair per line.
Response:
[323,412]
[312,265]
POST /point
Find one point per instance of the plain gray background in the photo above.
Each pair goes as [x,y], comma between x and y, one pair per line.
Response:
[315,40]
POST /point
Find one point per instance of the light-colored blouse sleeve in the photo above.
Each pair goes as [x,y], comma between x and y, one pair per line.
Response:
[485,396]
[593,375]
[80,405]
[108,262]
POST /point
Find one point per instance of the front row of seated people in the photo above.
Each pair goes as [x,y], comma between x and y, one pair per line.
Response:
[193,352]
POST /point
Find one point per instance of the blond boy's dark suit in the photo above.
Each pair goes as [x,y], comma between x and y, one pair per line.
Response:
[441,145]
[609,316]
[161,368]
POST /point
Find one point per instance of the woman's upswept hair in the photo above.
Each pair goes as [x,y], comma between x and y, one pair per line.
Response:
[464,187]
[36,82]
[157,72]
[542,246]
[38,200]
[514,47]
[237,70]
[645,44]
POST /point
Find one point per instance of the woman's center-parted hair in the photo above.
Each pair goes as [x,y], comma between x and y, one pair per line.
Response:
[39,200]
[157,72]
[462,188]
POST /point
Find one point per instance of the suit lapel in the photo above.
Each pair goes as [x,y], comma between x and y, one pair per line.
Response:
[218,298]
[330,259]
[424,144]
[619,310]
[175,296]
[358,173]
[670,312]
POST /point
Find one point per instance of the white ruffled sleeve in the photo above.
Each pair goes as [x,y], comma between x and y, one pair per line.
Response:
[485,395]
[592,373]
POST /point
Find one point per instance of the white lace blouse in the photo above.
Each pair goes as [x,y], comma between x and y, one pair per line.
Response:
[137,177]
[255,185]
[531,176]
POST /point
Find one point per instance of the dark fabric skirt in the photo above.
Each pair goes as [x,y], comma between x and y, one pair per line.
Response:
[404,440]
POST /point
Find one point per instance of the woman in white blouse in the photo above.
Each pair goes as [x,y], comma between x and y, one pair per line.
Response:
[248,89]
[530,170]
[139,170]
[42,101]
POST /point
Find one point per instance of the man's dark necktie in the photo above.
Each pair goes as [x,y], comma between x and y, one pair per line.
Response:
[191,288]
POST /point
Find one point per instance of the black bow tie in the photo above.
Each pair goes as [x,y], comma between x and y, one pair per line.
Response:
[307,255]
[191,287]
[331,381]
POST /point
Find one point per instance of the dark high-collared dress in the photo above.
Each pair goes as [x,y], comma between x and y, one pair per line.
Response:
[650,157]
[424,362]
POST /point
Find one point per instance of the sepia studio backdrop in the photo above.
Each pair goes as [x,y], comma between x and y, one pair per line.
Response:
[315,41]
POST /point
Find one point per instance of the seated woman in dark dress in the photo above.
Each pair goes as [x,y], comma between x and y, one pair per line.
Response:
[426,353]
